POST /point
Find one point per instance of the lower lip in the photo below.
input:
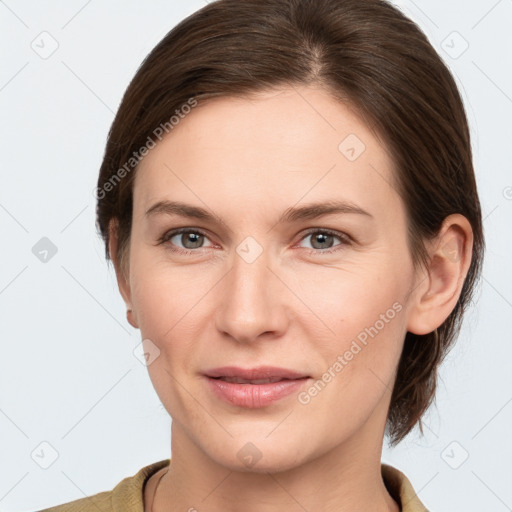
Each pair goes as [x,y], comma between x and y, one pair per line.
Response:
[253,396]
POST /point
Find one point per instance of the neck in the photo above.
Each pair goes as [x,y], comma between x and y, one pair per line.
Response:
[345,479]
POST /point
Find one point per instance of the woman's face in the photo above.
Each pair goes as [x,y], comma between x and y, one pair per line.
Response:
[265,279]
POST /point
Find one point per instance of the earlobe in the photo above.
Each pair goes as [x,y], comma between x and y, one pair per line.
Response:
[437,293]
[131,318]
[121,276]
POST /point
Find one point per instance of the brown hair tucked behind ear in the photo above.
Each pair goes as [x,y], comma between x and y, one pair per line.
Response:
[367,54]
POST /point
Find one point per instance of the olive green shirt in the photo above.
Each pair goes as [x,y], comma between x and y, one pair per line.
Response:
[128,495]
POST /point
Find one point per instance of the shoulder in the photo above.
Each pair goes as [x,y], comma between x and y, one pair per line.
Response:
[127,495]
[401,489]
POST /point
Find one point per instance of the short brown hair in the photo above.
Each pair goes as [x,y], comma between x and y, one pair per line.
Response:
[369,55]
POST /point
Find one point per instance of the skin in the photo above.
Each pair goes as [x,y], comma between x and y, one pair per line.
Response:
[248,160]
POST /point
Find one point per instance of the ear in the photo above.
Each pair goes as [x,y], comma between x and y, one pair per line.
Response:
[436,293]
[122,274]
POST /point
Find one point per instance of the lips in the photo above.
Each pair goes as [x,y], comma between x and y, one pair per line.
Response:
[254,387]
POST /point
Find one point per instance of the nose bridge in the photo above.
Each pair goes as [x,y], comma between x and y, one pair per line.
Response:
[249,305]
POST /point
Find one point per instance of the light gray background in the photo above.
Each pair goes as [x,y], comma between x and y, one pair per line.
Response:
[68,375]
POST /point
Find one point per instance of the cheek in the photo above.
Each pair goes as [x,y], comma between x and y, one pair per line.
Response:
[167,303]
[164,295]
[352,296]
[355,365]
[360,325]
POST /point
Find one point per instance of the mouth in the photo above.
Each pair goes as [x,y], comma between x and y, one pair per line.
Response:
[254,387]
[263,373]
[239,380]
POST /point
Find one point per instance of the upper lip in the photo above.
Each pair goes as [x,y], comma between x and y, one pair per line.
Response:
[260,372]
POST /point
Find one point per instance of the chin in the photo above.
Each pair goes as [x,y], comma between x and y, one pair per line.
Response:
[272,463]
[247,454]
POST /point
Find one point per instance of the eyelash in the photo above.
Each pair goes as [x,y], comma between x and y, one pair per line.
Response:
[344,239]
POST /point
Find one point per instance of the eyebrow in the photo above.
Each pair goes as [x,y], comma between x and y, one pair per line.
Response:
[292,214]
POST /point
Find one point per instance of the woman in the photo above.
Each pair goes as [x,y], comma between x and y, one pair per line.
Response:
[288,197]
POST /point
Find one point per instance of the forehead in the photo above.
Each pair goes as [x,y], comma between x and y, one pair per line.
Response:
[282,144]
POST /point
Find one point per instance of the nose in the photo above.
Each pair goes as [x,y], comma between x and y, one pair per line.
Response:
[252,301]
